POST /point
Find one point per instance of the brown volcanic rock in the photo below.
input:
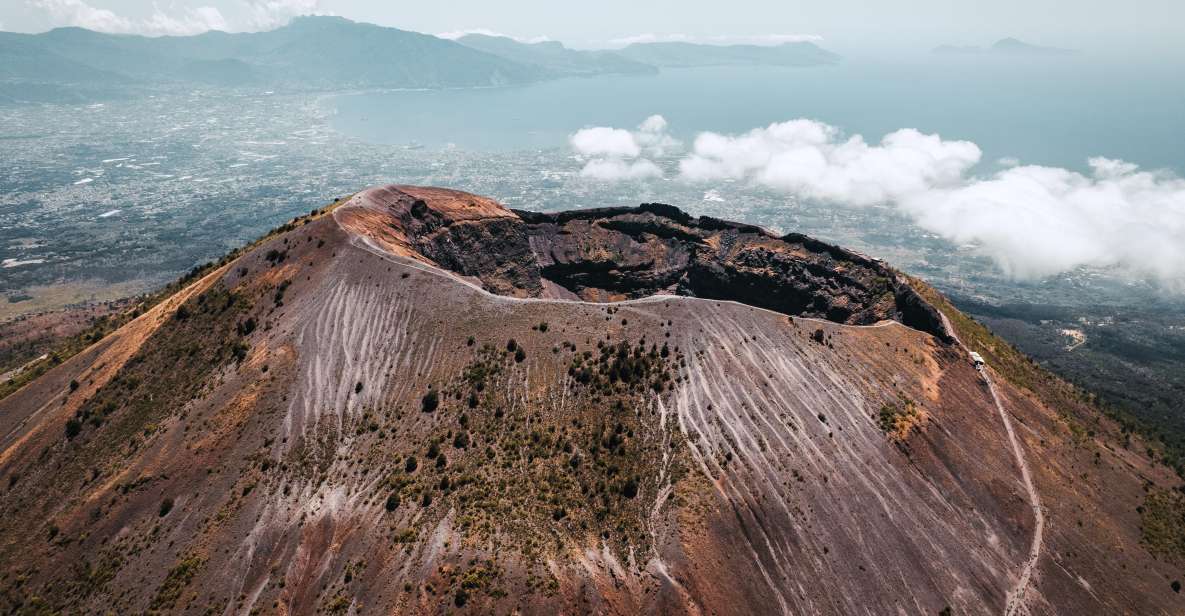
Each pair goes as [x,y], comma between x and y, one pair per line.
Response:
[249,443]
[613,254]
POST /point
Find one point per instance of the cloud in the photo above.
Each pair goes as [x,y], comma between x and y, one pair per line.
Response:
[615,152]
[810,159]
[78,13]
[605,141]
[1037,221]
[271,14]
[1033,221]
[650,37]
[258,15]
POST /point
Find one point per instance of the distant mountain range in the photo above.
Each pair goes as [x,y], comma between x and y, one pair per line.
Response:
[1004,47]
[554,57]
[312,53]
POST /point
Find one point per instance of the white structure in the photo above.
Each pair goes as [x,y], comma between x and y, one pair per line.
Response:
[977,359]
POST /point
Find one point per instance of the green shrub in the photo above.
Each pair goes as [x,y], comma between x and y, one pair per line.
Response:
[430,401]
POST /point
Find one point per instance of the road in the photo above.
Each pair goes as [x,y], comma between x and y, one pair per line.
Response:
[1015,601]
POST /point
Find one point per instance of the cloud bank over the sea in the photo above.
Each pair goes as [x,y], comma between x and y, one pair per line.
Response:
[1033,221]
[619,154]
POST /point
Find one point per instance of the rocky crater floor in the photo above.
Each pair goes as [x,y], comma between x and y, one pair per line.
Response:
[418,401]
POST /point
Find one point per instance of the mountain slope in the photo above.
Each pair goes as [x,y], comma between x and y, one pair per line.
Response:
[310,52]
[553,56]
[422,402]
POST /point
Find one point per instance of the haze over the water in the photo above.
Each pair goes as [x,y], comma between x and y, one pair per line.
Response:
[1141,27]
[1045,139]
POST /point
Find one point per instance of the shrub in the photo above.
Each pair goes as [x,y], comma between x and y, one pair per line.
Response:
[73,427]
[630,488]
[461,440]
[392,501]
[411,464]
[358,387]
[511,345]
[430,401]
[279,298]
[519,355]
[165,507]
[818,336]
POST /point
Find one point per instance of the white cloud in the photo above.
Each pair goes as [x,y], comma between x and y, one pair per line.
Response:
[257,15]
[605,141]
[1037,221]
[1033,221]
[811,159]
[650,37]
[78,13]
[615,152]
[271,14]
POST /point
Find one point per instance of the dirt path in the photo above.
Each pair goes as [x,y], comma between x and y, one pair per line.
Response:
[1016,596]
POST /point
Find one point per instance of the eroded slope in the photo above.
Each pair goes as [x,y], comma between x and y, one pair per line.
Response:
[333,422]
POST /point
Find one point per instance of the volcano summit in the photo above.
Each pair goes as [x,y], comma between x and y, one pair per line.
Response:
[418,401]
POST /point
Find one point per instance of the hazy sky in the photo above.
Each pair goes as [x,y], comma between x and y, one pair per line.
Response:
[1149,25]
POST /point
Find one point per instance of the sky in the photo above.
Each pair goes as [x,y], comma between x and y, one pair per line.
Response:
[845,25]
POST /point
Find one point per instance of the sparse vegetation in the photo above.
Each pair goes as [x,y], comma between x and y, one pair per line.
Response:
[175,583]
[1162,524]
[430,401]
[897,419]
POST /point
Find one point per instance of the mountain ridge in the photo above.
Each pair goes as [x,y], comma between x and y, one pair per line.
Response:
[361,412]
[323,53]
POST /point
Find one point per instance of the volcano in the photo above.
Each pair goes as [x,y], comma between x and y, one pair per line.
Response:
[418,401]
